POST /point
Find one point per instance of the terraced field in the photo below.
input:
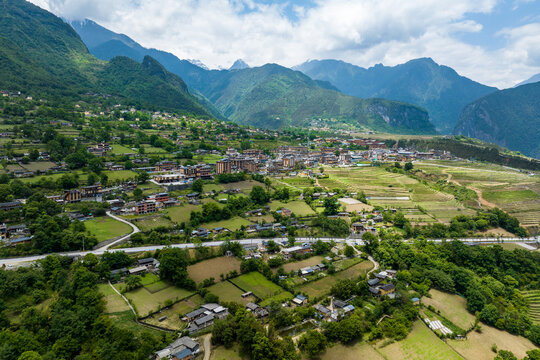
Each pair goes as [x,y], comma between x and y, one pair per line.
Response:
[399,191]
[533,297]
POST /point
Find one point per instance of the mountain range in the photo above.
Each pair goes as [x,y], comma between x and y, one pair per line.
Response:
[510,118]
[532,79]
[270,96]
[439,89]
[41,54]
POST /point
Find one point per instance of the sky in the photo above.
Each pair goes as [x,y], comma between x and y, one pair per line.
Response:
[495,42]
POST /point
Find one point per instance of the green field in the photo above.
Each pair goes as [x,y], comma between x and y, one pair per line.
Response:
[232,224]
[180,214]
[376,182]
[148,149]
[452,307]
[126,320]
[420,344]
[222,353]
[151,297]
[229,293]
[121,149]
[123,175]
[259,285]
[175,312]
[113,302]
[105,228]
[208,158]
[322,287]
[153,222]
[357,351]
[533,298]
[300,208]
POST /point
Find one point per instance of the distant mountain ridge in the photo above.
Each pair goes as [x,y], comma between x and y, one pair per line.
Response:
[438,89]
[41,54]
[269,96]
[510,118]
[532,79]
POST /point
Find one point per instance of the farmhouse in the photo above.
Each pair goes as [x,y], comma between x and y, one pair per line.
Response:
[204,316]
[300,250]
[182,348]
[300,300]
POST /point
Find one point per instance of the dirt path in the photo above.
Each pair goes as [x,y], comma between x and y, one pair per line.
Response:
[125,299]
[375,266]
[481,201]
[207,347]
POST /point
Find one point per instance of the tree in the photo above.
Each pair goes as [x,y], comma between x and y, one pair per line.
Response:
[95,165]
[197,186]
[259,196]
[349,251]
[331,206]
[408,166]
[30,355]
[138,194]
[142,177]
[505,355]
[133,282]
[312,343]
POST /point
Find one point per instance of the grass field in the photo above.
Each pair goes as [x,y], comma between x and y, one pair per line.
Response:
[213,268]
[104,228]
[180,214]
[145,301]
[533,298]
[420,344]
[122,175]
[126,320]
[208,158]
[300,208]
[321,287]
[259,285]
[303,263]
[452,307]
[356,351]
[478,345]
[222,353]
[229,293]
[113,302]
[121,149]
[148,149]
[232,224]
[244,186]
[39,165]
[153,222]
[175,312]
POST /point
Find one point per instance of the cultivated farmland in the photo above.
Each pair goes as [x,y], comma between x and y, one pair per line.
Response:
[259,285]
[213,268]
[533,298]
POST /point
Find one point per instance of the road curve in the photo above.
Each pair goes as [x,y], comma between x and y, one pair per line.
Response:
[134,228]
[21,260]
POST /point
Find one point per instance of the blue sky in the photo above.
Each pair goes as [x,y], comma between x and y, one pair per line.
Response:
[495,42]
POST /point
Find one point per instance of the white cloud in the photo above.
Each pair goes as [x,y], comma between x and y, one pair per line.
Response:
[363,32]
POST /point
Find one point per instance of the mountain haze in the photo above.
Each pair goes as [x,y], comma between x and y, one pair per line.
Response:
[438,89]
[510,118]
[269,96]
[41,54]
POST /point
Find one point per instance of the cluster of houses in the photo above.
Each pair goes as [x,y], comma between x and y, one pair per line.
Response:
[379,287]
[205,316]
[337,311]
[143,266]
[184,348]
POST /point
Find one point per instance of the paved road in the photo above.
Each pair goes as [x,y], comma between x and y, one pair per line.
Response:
[21,260]
[125,237]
